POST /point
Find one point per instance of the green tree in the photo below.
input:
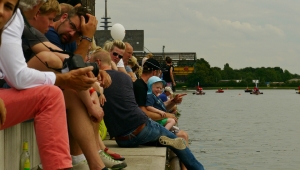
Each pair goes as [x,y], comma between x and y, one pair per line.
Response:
[210,76]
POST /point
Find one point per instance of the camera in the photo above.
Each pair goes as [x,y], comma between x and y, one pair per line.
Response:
[75,61]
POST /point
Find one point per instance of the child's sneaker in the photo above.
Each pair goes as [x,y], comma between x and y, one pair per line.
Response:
[174,129]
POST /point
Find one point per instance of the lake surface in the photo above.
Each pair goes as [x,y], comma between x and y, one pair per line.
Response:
[235,130]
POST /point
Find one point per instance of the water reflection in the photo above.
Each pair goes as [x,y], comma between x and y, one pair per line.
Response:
[236,130]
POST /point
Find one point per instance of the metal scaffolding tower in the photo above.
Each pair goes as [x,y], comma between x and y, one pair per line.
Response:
[105,18]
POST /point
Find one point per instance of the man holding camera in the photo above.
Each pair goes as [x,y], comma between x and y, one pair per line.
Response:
[80,108]
[32,94]
[74,25]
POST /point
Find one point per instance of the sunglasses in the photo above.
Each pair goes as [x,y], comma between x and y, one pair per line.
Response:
[116,54]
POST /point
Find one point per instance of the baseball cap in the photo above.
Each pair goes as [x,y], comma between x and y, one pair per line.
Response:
[168,89]
[151,64]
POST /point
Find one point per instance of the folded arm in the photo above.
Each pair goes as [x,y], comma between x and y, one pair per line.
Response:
[154,116]
[155,110]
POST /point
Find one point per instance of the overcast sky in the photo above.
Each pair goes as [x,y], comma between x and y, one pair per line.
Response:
[242,33]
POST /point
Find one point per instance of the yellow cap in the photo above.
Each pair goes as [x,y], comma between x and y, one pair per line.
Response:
[25,145]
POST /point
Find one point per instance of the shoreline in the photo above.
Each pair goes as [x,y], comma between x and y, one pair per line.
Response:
[235,88]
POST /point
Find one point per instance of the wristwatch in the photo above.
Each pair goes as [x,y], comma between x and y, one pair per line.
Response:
[86,38]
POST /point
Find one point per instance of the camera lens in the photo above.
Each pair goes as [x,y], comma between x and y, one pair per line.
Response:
[96,68]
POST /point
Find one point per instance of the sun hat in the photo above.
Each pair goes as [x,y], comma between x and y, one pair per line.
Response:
[151,81]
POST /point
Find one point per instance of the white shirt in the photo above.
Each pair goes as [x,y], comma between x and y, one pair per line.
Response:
[120,63]
[13,67]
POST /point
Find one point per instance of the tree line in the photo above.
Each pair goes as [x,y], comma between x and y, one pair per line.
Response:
[214,76]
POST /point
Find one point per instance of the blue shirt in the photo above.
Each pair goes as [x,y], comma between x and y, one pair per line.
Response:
[163,97]
[54,38]
[128,69]
[156,102]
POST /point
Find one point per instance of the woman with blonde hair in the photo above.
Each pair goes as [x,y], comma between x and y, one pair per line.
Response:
[150,55]
[131,63]
[137,70]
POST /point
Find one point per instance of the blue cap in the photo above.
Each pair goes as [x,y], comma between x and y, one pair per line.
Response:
[153,80]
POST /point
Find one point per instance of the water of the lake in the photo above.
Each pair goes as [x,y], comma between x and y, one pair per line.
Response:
[235,130]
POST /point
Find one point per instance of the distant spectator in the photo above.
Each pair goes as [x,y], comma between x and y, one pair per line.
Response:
[137,70]
[130,64]
[168,75]
[116,49]
[166,96]
[150,55]
[127,53]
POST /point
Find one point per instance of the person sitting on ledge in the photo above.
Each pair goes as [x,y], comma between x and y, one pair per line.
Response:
[155,104]
[79,106]
[129,125]
[168,95]
[32,94]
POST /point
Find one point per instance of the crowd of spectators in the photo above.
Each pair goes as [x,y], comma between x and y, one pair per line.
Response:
[52,69]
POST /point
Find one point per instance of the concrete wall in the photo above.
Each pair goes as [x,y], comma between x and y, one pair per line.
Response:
[11,141]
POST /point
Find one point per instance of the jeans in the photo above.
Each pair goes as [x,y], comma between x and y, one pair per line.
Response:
[151,132]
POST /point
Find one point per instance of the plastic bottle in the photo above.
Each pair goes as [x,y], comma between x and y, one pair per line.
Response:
[25,158]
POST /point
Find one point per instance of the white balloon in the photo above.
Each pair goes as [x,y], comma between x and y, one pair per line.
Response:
[117,32]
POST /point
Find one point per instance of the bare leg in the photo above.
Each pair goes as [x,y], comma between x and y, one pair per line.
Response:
[98,140]
[170,123]
[81,129]
[100,143]
[81,134]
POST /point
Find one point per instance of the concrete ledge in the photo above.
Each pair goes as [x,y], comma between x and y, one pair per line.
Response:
[141,158]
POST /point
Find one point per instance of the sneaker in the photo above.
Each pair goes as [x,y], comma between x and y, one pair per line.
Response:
[174,129]
[83,165]
[177,143]
[110,162]
[115,156]
[36,168]
[77,167]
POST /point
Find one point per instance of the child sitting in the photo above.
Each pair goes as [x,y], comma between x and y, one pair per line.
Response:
[155,104]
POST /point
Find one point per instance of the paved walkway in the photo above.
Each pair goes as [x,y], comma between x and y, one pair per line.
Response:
[141,158]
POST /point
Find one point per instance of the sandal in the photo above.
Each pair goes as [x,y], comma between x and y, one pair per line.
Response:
[115,156]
